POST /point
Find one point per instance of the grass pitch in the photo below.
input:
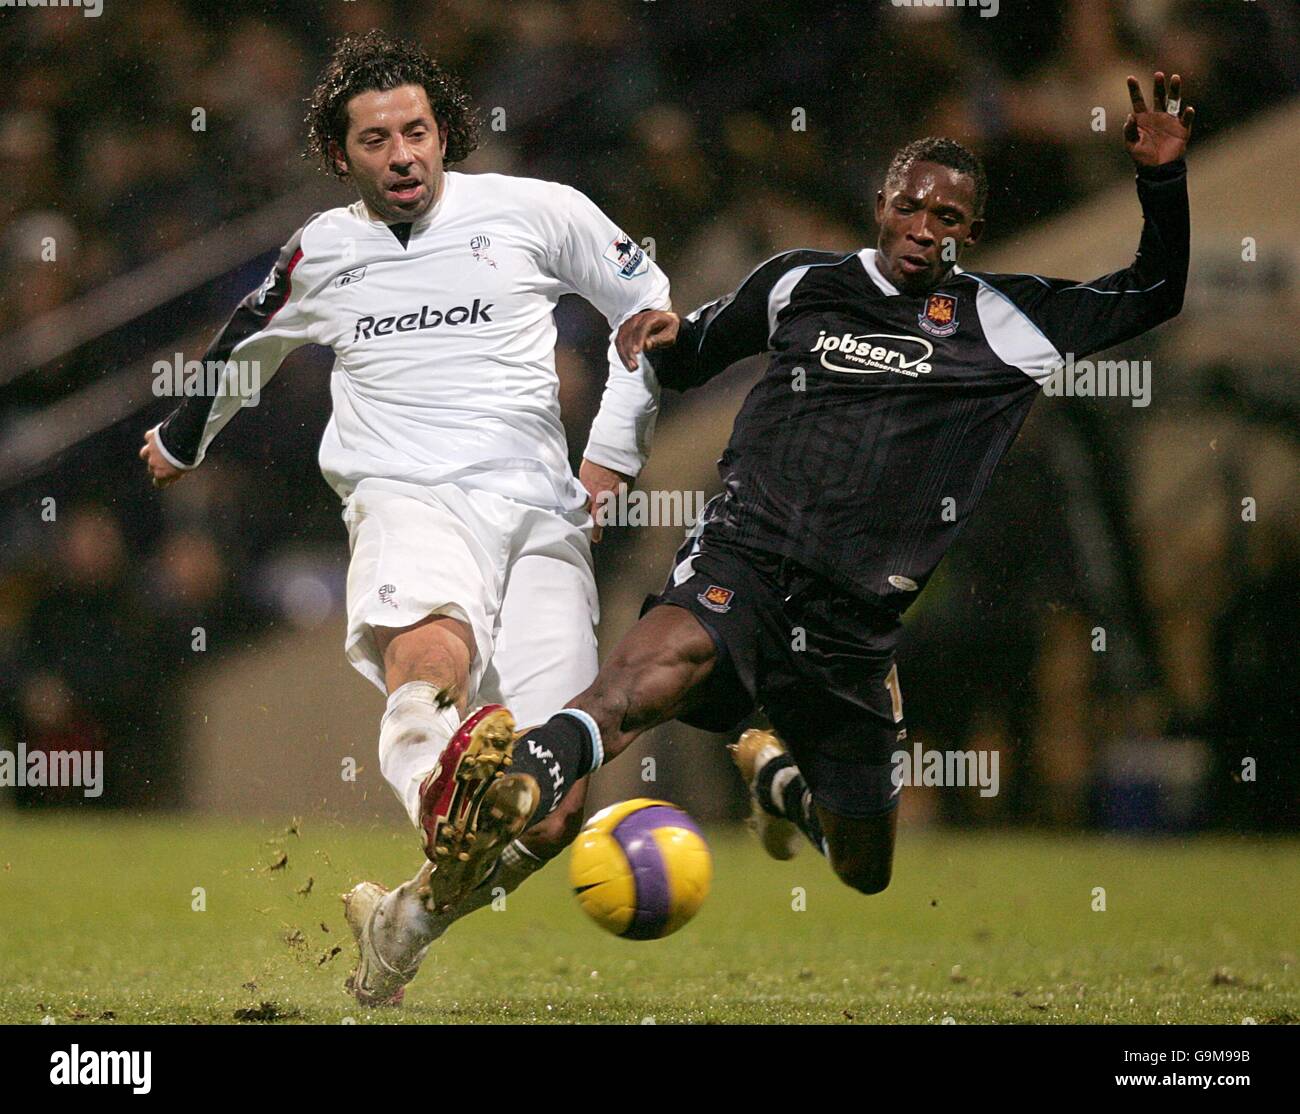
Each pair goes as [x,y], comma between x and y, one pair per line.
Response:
[97,923]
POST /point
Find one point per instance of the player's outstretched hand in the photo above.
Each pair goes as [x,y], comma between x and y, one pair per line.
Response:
[1154,138]
[649,329]
[161,471]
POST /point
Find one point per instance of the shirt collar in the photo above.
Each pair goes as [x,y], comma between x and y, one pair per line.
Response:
[869,264]
[868,257]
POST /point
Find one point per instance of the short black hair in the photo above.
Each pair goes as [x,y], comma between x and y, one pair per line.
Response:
[945,152]
[376,61]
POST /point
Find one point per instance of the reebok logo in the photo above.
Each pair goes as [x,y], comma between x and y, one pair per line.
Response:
[425,318]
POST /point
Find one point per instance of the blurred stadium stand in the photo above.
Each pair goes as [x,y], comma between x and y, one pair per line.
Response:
[677,120]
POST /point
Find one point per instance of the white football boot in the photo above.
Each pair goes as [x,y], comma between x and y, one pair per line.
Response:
[754,749]
[376,980]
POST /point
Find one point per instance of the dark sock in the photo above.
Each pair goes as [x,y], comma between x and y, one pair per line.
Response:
[558,753]
[793,801]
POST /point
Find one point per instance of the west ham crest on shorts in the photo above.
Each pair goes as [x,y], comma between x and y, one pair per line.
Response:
[939,318]
[716,599]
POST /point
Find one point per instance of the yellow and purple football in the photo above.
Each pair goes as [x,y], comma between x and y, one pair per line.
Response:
[641,869]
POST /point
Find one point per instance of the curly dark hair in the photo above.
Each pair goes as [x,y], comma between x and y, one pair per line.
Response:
[376,61]
[945,152]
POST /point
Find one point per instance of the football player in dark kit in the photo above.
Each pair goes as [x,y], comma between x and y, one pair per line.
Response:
[895,383]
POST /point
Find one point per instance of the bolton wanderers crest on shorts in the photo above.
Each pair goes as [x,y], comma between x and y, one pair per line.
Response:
[939,318]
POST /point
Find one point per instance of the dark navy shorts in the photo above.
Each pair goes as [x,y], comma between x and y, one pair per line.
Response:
[817,661]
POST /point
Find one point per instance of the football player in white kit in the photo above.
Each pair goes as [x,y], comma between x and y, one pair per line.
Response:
[470,579]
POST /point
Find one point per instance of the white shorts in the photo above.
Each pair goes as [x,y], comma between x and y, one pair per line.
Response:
[520,576]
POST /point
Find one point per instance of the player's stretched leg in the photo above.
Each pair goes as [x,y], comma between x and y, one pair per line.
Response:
[450,775]
[650,678]
[692,656]
[544,650]
[395,929]
[424,586]
[471,813]
[654,675]
[413,916]
[423,591]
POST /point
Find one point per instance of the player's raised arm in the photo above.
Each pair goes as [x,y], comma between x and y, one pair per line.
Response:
[265,327]
[1085,317]
[688,352]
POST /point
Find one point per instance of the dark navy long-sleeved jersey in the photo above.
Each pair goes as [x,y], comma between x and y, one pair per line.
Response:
[875,428]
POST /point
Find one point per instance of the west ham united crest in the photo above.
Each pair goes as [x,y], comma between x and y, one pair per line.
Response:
[716,598]
[939,318]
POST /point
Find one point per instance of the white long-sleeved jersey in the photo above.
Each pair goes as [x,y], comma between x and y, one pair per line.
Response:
[444,340]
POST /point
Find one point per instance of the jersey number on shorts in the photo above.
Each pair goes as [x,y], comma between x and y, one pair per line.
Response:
[895,693]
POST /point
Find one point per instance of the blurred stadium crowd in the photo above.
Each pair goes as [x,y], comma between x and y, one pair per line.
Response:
[677,120]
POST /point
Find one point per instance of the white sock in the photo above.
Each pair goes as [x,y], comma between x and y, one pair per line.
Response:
[412,736]
[404,928]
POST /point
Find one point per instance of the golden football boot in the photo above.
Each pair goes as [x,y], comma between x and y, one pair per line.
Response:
[754,749]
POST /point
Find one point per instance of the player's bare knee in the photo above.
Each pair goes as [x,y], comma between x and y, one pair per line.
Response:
[438,649]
